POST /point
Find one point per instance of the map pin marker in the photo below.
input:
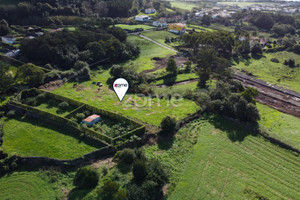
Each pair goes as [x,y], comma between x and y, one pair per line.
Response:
[120,87]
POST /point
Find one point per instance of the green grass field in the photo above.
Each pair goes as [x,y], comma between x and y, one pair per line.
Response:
[206,164]
[279,125]
[198,28]
[55,109]
[241,4]
[150,110]
[184,6]
[27,137]
[160,36]
[132,27]
[275,73]
[26,185]
[148,51]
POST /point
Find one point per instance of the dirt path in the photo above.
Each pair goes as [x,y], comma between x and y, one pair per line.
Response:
[178,83]
[142,36]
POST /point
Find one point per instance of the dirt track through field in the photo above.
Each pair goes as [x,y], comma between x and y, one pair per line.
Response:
[142,36]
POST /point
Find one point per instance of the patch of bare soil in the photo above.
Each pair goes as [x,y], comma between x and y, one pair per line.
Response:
[65,193]
[52,85]
[79,88]
[161,63]
[105,162]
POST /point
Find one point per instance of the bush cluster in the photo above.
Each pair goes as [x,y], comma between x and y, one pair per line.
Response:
[149,176]
[86,177]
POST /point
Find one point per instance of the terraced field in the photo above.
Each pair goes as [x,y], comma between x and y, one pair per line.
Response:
[228,163]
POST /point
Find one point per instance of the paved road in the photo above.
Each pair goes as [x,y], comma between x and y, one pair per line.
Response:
[142,36]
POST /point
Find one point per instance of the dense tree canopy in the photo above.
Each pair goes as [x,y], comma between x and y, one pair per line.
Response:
[64,48]
[30,74]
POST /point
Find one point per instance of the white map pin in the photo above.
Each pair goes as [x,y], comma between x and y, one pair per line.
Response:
[120,87]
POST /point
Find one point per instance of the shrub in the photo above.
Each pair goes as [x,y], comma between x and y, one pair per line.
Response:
[126,156]
[111,190]
[139,170]
[52,102]
[11,113]
[63,105]
[275,60]
[31,101]
[80,116]
[86,177]
[168,124]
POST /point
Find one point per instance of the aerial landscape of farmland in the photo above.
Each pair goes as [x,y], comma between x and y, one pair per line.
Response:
[149,99]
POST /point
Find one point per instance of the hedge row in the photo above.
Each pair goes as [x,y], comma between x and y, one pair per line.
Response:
[75,111]
[100,137]
[139,127]
[60,98]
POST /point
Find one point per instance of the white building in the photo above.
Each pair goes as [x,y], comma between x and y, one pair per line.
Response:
[160,23]
[142,18]
[8,39]
[150,11]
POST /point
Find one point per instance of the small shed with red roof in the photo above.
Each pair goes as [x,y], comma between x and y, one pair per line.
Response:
[91,120]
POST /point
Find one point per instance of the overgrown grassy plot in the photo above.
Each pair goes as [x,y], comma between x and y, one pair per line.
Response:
[146,109]
[217,167]
[28,137]
[275,73]
[148,51]
[279,125]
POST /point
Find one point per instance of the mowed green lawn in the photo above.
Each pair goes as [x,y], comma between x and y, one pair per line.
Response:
[212,166]
[148,51]
[182,5]
[26,185]
[132,27]
[281,126]
[160,36]
[146,109]
[275,73]
[27,137]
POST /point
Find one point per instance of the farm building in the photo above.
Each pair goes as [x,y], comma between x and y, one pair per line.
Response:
[8,39]
[150,11]
[91,120]
[177,28]
[142,18]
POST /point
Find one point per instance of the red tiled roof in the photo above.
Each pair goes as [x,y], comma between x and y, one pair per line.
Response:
[91,118]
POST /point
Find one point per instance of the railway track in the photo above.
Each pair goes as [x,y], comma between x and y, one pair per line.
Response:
[281,99]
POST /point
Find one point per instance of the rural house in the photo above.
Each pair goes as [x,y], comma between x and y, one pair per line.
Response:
[91,120]
[177,28]
[8,39]
[160,23]
[150,11]
[142,18]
